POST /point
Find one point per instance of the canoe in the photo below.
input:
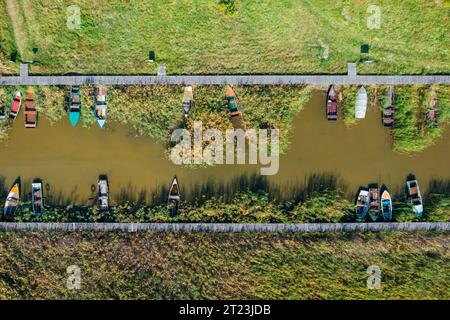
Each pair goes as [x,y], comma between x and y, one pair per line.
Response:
[15,105]
[174,197]
[232,102]
[30,113]
[2,106]
[415,197]
[362,204]
[12,200]
[332,104]
[361,104]
[37,199]
[374,202]
[389,108]
[386,206]
[100,105]
[74,105]
[188,100]
[103,193]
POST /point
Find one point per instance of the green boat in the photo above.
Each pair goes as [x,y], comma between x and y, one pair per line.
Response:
[74,105]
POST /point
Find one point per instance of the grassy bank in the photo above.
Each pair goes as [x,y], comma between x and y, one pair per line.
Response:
[248,37]
[223,266]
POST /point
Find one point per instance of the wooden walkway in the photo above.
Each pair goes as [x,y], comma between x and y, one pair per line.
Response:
[350,78]
[225,227]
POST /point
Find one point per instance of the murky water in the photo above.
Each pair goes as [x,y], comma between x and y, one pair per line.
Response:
[70,159]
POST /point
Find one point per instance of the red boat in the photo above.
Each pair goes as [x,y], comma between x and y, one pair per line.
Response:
[15,105]
[30,110]
[332,104]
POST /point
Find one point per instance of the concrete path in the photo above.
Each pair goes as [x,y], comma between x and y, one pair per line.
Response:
[350,78]
[226,227]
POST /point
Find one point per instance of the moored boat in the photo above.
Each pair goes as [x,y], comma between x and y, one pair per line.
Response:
[174,196]
[332,104]
[2,105]
[432,111]
[30,114]
[362,204]
[37,198]
[386,205]
[15,105]
[389,108]
[188,100]
[361,104]
[12,200]
[414,195]
[74,105]
[103,193]
[100,104]
[374,199]
[232,102]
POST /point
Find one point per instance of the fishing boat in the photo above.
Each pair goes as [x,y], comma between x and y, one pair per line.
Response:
[414,195]
[103,193]
[30,110]
[332,104]
[389,108]
[37,199]
[232,105]
[74,105]
[361,104]
[188,100]
[173,199]
[15,105]
[374,202]
[12,200]
[2,106]
[362,204]
[100,105]
[386,205]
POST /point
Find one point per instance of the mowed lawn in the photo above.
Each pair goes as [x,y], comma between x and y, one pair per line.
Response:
[283,36]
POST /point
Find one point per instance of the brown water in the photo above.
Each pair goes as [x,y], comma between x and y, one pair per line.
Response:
[70,159]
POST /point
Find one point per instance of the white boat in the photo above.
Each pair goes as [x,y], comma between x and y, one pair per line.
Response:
[103,193]
[188,100]
[174,196]
[361,104]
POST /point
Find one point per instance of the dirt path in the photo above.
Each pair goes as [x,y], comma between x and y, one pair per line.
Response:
[18,28]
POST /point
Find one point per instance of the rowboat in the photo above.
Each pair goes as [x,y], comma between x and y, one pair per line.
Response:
[12,200]
[100,105]
[188,100]
[173,199]
[361,104]
[2,106]
[414,195]
[232,105]
[362,204]
[30,110]
[386,206]
[103,193]
[15,105]
[374,202]
[332,104]
[37,199]
[432,111]
[74,105]
[388,108]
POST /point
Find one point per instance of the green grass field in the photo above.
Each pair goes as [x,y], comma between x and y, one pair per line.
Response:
[199,36]
[223,266]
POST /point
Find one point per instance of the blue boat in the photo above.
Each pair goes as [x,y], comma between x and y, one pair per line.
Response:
[386,206]
[362,204]
[74,105]
[100,105]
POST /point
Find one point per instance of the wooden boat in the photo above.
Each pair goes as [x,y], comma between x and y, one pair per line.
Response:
[100,104]
[15,105]
[232,102]
[188,100]
[412,187]
[361,104]
[2,106]
[389,108]
[174,197]
[432,111]
[74,105]
[386,206]
[30,110]
[362,204]
[374,202]
[12,200]
[103,193]
[332,104]
[37,199]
